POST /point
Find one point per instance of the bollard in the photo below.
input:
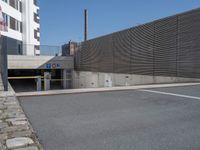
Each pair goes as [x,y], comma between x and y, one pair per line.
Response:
[47,79]
[39,83]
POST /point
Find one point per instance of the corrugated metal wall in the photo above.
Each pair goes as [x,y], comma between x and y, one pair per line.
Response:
[166,47]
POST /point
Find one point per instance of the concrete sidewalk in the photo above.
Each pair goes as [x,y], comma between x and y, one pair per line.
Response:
[89,90]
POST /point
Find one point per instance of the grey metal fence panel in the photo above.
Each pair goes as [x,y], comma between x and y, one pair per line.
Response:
[84,58]
[189,45]
[166,47]
[106,54]
[142,49]
[122,52]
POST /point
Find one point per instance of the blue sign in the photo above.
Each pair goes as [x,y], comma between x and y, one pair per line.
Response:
[48,66]
[53,66]
[58,66]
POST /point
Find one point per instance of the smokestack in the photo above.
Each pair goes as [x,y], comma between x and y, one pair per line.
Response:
[86,25]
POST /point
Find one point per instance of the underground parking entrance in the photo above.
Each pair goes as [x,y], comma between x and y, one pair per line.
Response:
[29,80]
[143,119]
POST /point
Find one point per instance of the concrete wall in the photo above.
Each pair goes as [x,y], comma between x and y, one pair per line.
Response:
[39,62]
[85,79]
[12,46]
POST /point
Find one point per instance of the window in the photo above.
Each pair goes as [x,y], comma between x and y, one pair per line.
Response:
[21,29]
[36,18]
[36,35]
[37,47]
[19,49]
[6,1]
[12,3]
[20,6]
[12,23]
[5,16]
[35,2]
[15,24]
[16,4]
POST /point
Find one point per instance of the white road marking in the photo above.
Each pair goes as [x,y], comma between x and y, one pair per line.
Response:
[172,94]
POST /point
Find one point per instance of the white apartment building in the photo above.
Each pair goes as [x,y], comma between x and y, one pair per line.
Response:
[22,18]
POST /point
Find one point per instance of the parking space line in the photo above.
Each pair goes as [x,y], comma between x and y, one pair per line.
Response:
[171,94]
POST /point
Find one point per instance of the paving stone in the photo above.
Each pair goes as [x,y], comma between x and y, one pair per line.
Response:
[18,142]
[11,103]
[27,133]
[14,128]
[2,146]
[2,107]
[28,148]
[12,110]
[15,115]
[3,125]
[17,121]
[3,116]
[12,98]
[3,137]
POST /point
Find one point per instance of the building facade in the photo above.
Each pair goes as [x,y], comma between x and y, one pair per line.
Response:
[69,49]
[22,19]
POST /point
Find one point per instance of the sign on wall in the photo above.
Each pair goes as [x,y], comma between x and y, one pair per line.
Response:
[53,66]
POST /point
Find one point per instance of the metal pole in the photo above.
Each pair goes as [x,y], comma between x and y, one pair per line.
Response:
[86,25]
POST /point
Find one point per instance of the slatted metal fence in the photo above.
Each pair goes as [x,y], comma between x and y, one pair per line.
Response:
[165,47]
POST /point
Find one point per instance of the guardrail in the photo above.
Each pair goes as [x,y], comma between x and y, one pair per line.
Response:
[41,80]
[42,50]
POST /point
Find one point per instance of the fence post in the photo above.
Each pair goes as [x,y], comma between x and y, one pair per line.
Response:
[3,61]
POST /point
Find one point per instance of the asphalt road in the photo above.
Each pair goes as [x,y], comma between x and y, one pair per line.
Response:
[126,120]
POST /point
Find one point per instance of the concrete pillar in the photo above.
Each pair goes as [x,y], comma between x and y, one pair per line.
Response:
[67,78]
[64,81]
[39,83]
[47,79]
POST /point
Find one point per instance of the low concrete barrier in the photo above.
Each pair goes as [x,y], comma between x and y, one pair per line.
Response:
[84,79]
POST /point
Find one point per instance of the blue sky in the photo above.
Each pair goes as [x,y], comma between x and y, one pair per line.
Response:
[63,21]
